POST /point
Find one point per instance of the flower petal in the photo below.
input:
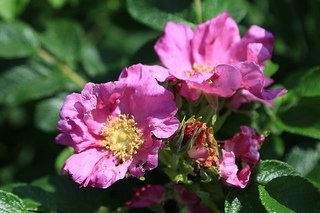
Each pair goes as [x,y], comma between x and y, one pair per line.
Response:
[255,46]
[213,39]
[174,50]
[94,168]
[224,83]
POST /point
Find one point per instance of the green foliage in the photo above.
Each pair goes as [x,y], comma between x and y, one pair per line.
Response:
[17,40]
[49,49]
[10,203]
[275,187]
[10,9]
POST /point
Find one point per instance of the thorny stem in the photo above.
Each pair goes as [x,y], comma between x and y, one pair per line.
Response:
[78,80]
[198,9]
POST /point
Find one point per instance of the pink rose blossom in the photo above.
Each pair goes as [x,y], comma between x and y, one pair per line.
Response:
[253,86]
[204,60]
[176,198]
[239,156]
[111,127]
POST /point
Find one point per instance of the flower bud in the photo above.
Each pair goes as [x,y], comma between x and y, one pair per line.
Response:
[196,140]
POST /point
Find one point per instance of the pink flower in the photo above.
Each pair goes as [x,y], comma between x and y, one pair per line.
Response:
[253,86]
[111,127]
[176,198]
[239,156]
[203,60]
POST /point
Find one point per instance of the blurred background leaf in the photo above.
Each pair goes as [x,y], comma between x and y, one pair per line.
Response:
[50,48]
[17,40]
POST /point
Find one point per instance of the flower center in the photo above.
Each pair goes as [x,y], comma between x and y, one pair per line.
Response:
[121,136]
[196,68]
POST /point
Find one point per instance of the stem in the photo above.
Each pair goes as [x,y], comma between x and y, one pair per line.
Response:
[175,162]
[77,79]
[198,10]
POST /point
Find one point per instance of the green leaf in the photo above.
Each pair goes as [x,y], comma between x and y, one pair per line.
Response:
[57,3]
[63,38]
[29,82]
[17,40]
[290,194]
[9,9]
[29,195]
[244,200]
[267,170]
[155,13]
[62,157]
[91,61]
[212,8]
[304,158]
[309,83]
[47,113]
[301,118]
[10,203]
[61,194]
[254,199]
[270,68]
[271,204]
[314,176]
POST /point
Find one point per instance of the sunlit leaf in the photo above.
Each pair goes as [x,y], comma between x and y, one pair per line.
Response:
[301,118]
[267,170]
[212,8]
[244,200]
[156,13]
[63,38]
[47,113]
[17,40]
[10,203]
[91,61]
[309,83]
[304,158]
[29,82]
[290,194]
[62,157]
[57,3]
[9,9]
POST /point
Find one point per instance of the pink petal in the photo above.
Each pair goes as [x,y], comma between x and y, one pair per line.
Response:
[229,170]
[255,46]
[94,168]
[213,39]
[224,83]
[135,72]
[174,50]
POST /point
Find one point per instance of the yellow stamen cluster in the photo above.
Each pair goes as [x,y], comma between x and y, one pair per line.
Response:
[199,68]
[121,136]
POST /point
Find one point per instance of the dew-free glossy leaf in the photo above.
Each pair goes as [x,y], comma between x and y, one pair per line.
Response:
[63,39]
[244,200]
[212,8]
[10,203]
[29,82]
[9,9]
[17,40]
[304,158]
[290,194]
[302,118]
[155,13]
[267,170]
[47,113]
[309,83]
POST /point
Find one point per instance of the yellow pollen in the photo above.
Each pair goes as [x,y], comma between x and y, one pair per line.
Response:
[199,68]
[121,136]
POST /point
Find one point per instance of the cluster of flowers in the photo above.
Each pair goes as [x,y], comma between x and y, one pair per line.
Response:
[118,128]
